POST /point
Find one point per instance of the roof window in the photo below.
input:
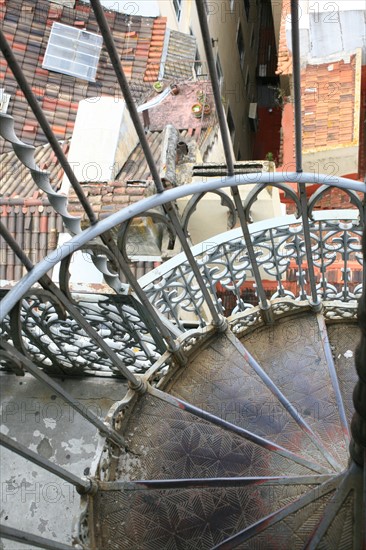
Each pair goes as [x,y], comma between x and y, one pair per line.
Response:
[73,51]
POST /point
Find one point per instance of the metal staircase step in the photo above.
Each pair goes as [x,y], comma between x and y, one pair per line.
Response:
[166,442]
[224,379]
[296,354]
[343,339]
[188,518]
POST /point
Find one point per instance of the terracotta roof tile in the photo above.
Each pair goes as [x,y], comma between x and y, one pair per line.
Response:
[16,180]
[284,65]
[139,40]
[330,121]
[326,106]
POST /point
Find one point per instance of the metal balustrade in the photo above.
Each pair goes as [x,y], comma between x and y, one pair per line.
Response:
[50,330]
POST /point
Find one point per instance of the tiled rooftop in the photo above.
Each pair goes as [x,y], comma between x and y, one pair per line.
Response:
[16,179]
[284,65]
[330,108]
[140,40]
[130,186]
[330,95]
[35,226]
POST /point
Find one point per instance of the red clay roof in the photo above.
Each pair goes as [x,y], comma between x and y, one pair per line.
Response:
[27,27]
[284,65]
[16,179]
[330,99]
[329,102]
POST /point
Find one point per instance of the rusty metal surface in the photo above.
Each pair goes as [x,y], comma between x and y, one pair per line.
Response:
[292,353]
[292,532]
[222,382]
[343,340]
[340,532]
[189,519]
[165,442]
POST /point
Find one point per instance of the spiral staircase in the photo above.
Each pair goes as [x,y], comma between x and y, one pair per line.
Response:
[240,429]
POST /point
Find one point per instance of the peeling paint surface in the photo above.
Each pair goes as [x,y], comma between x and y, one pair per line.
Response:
[33,499]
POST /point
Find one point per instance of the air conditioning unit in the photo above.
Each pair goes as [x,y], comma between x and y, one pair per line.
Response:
[253,116]
[4,101]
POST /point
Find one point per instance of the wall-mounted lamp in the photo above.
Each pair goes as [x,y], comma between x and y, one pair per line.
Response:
[213,41]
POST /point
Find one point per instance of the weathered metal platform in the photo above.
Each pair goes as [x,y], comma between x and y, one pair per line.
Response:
[244,447]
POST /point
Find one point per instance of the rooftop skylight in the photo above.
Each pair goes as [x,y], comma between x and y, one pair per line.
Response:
[73,51]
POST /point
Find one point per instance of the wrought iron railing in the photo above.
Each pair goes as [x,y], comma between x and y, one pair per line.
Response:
[126,334]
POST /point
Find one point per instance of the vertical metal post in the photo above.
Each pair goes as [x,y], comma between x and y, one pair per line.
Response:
[295,35]
[48,284]
[358,424]
[107,238]
[264,303]
[297,81]
[169,208]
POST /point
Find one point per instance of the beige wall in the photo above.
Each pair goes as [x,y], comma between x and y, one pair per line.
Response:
[212,218]
[167,10]
[333,162]
[277,13]
[224,25]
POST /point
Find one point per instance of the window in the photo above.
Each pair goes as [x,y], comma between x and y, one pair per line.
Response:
[178,8]
[73,51]
[240,44]
[220,74]
[230,123]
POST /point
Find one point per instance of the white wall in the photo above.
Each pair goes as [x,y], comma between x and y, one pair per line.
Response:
[102,140]
[328,30]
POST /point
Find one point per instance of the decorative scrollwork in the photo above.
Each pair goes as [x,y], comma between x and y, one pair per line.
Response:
[195,199]
[243,322]
[281,256]
[57,343]
[81,538]
[289,193]
[337,310]
[319,194]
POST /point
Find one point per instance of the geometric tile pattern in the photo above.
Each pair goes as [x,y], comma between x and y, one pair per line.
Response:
[340,532]
[222,382]
[343,340]
[303,377]
[188,519]
[165,442]
[297,527]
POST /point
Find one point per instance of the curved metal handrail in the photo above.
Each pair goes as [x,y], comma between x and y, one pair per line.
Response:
[154,201]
